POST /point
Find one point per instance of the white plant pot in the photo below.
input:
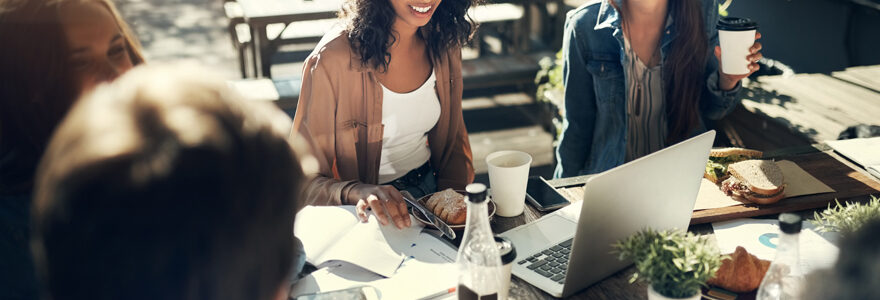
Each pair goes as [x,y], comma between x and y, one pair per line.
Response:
[654,295]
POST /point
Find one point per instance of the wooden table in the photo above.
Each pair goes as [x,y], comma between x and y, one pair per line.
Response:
[851,182]
[867,77]
[260,13]
[784,111]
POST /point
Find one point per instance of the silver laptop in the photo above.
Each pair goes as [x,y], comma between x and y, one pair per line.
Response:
[570,249]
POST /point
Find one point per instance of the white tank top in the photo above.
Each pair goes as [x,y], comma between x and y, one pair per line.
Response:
[407,118]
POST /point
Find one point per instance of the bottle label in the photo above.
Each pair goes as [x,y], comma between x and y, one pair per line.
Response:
[465,293]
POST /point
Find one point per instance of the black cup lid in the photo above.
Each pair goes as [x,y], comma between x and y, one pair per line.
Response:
[505,249]
[476,192]
[736,24]
[789,223]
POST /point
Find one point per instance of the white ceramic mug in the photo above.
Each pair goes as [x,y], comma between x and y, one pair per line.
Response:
[508,174]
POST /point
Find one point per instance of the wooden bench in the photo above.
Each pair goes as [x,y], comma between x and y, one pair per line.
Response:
[505,70]
[484,72]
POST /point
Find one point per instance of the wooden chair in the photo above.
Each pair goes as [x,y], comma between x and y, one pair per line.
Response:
[304,32]
[240,34]
[498,20]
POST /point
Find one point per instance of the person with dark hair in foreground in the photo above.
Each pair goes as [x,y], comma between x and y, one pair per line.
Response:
[856,273]
[53,51]
[381,103]
[164,185]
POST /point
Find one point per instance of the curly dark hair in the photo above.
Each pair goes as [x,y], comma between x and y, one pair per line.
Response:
[368,23]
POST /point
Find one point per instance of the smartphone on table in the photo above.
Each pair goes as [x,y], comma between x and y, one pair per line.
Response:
[543,196]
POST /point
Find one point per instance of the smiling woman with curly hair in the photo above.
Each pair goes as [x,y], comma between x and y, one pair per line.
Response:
[381,105]
[371,23]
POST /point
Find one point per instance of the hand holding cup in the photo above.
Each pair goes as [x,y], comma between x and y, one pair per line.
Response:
[741,52]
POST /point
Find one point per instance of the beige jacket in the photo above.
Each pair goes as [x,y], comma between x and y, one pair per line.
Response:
[340,114]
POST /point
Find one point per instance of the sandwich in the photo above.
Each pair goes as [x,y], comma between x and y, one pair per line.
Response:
[757,181]
[719,159]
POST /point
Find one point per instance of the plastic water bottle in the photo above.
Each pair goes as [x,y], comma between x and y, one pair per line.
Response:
[784,278]
[479,262]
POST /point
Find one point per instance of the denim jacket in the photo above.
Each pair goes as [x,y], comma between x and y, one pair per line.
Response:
[595,128]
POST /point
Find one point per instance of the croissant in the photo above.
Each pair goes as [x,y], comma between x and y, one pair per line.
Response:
[741,273]
[449,206]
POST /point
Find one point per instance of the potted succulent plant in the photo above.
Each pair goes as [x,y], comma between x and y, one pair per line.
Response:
[675,264]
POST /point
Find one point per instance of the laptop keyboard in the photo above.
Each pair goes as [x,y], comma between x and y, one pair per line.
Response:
[551,263]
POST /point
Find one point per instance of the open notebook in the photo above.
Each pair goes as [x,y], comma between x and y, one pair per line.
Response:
[865,152]
[400,263]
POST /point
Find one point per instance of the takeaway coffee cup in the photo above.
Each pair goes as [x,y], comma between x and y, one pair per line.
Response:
[736,36]
[508,255]
[508,174]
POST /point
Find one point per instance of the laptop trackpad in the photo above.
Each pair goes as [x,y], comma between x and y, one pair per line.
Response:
[539,235]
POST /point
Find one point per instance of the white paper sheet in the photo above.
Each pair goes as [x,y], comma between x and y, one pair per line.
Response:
[759,237]
[330,233]
[865,152]
[428,268]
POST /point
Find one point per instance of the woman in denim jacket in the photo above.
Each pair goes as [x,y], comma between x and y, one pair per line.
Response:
[639,76]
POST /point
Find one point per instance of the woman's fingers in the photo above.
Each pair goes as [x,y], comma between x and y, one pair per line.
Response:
[718,53]
[378,208]
[396,216]
[397,207]
[361,209]
[757,35]
[756,47]
[755,57]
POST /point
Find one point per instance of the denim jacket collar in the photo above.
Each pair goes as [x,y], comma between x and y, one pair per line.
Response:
[609,18]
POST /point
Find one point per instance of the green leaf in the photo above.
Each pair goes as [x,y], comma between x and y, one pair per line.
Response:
[847,218]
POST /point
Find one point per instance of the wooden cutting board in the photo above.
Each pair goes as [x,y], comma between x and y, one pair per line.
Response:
[850,182]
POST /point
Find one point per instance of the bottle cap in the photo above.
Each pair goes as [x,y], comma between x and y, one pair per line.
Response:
[476,192]
[505,249]
[790,223]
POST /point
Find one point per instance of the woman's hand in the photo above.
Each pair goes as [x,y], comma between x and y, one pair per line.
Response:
[726,81]
[383,200]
